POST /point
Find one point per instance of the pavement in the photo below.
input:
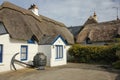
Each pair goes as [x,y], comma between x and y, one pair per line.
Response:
[71,71]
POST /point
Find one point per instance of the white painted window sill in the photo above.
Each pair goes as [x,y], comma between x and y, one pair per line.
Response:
[1,64]
[59,59]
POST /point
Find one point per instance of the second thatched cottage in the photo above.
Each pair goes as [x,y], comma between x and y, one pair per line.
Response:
[26,32]
[95,33]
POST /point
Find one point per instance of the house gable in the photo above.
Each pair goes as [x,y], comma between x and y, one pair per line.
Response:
[59,40]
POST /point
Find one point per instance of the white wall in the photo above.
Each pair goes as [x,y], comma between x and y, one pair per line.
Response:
[58,62]
[10,47]
[50,51]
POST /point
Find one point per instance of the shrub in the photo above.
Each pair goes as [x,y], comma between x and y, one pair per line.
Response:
[93,54]
[118,53]
[117,48]
[116,65]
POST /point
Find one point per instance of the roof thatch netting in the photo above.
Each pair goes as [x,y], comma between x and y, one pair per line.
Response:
[23,24]
[105,31]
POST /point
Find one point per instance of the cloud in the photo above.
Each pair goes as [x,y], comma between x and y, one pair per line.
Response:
[76,12]
[73,12]
[117,1]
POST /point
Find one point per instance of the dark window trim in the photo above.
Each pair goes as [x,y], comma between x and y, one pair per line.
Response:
[25,53]
[58,55]
[1,61]
[31,41]
[59,36]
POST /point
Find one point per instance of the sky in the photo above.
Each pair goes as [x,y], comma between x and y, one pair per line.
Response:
[73,12]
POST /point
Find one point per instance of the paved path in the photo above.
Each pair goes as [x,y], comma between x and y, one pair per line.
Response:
[70,71]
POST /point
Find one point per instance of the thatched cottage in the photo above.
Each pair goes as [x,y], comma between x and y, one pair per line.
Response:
[93,32]
[26,32]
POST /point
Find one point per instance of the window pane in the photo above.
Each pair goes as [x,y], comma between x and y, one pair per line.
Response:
[23,49]
[24,52]
[59,51]
[23,56]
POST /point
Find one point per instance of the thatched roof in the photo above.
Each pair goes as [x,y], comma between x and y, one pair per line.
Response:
[105,31]
[75,30]
[23,24]
[49,39]
[90,20]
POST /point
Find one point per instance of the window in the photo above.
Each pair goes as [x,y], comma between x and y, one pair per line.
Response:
[32,41]
[2,29]
[88,41]
[1,53]
[24,52]
[59,51]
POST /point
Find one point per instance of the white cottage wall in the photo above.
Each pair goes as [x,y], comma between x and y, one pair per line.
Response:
[12,46]
[58,62]
[50,52]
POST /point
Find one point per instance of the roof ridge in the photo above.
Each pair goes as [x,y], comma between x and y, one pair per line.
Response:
[53,21]
[112,21]
[104,23]
[11,6]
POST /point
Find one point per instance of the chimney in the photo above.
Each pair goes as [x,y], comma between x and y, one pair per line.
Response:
[118,18]
[34,9]
[95,16]
[90,17]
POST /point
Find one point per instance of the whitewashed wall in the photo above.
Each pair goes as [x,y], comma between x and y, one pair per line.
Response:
[58,62]
[50,52]
[10,47]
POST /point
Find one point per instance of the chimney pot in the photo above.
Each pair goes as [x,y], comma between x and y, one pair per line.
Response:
[34,9]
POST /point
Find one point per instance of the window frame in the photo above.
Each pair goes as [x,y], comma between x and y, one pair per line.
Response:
[31,41]
[1,61]
[59,52]
[26,53]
